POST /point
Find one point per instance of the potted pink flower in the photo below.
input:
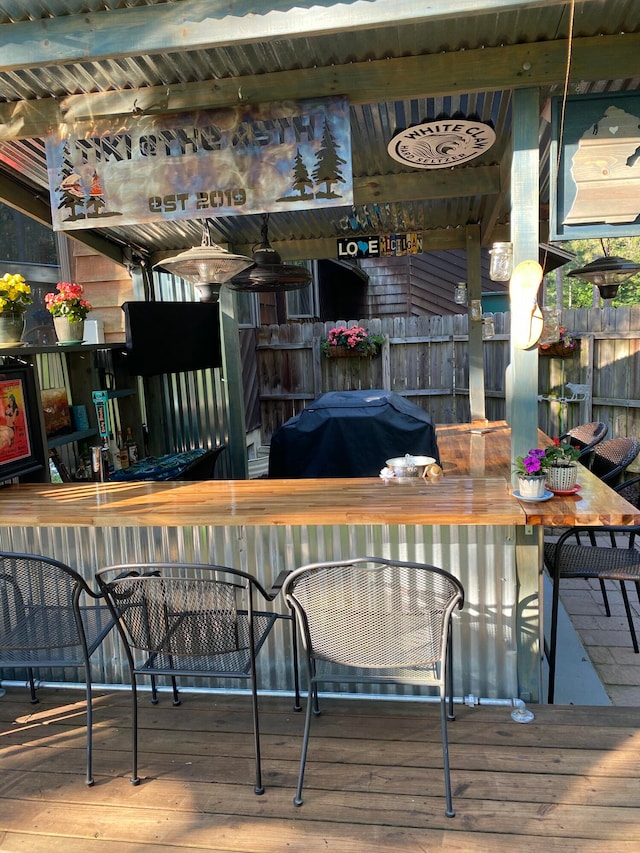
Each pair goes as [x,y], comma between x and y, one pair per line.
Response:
[355,341]
[69,309]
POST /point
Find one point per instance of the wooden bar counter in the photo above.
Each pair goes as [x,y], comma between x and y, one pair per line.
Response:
[468,522]
[475,490]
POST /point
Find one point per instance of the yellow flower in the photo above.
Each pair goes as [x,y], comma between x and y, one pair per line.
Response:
[15,293]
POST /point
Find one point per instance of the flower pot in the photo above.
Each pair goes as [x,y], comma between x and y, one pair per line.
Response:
[563,477]
[69,331]
[559,350]
[532,487]
[345,352]
[11,328]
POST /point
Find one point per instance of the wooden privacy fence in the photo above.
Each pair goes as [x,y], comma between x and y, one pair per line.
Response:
[426,360]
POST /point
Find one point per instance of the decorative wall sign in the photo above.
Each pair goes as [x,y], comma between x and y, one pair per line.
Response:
[379,246]
[21,446]
[441,143]
[241,160]
[597,186]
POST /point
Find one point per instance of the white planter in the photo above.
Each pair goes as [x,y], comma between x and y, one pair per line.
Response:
[562,478]
[532,487]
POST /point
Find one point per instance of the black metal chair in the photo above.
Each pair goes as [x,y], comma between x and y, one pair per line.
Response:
[586,436]
[611,458]
[376,620]
[594,553]
[190,620]
[47,619]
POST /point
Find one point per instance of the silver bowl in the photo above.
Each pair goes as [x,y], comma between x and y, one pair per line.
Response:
[408,465]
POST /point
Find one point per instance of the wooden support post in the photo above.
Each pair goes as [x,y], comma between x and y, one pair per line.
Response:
[474,301]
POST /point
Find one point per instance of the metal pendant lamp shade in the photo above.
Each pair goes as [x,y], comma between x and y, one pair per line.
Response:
[607,274]
[269,274]
[207,266]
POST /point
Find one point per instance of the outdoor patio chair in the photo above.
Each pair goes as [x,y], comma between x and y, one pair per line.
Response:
[190,620]
[369,619]
[611,458]
[594,553]
[586,436]
[49,618]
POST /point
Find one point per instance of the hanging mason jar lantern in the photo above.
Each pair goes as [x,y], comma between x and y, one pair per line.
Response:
[501,261]
[460,293]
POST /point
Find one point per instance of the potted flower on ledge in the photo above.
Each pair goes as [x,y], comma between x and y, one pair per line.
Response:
[355,342]
[69,309]
[15,298]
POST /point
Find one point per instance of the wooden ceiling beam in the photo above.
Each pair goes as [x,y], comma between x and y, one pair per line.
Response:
[194,25]
[539,64]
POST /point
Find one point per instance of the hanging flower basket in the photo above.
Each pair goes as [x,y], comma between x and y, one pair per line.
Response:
[354,342]
[564,348]
[343,352]
[560,350]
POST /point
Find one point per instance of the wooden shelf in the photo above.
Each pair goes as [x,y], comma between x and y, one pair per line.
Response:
[69,437]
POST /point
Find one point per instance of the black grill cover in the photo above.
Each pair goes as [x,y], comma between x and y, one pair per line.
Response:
[350,434]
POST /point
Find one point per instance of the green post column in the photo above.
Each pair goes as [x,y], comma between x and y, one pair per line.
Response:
[233,385]
[522,387]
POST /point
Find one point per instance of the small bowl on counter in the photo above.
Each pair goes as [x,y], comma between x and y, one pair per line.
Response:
[409,466]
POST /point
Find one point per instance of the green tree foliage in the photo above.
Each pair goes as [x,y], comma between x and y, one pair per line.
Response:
[578,293]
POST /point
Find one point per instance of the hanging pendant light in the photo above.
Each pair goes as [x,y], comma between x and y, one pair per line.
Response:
[269,273]
[207,266]
[607,273]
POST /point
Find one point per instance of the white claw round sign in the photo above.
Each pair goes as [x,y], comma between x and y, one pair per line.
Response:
[441,143]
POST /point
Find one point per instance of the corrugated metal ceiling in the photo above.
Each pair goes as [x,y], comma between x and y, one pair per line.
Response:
[373,121]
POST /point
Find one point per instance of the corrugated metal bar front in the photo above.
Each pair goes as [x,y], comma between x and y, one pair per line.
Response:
[483,558]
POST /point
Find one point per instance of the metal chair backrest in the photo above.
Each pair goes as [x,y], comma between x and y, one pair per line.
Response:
[46,623]
[612,457]
[586,436]
[374,613]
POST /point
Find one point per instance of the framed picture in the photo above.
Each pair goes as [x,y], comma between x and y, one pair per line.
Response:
[21,445]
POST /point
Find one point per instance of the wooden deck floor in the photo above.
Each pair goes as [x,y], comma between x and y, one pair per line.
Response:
[569,780]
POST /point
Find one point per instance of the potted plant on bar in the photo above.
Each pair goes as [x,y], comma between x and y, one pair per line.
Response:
[355,342]
[532,474]
[69,309]
[562,466]
[15,297]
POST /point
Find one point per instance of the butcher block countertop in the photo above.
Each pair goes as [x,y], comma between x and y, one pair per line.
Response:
[475,490]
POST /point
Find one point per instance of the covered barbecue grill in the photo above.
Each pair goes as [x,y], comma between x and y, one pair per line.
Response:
[350,434]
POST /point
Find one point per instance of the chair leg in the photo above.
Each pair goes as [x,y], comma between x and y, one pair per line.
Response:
[259,787]
[312,696]
[32,687]
[627,607]
[135,779]
[551,656]
[449,675]
[605,597]
[449,812]
[176,695]
[296,674]
[154,691]
[89,731]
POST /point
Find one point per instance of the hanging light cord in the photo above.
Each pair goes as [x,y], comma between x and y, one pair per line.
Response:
[565,92]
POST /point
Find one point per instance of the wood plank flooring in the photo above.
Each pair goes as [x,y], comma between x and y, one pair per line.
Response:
[569,780]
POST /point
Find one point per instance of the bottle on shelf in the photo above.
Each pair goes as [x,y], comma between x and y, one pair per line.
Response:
[131,446]
[123,453]
[114,452]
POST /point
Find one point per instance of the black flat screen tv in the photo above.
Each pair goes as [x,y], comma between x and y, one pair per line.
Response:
[171,337]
